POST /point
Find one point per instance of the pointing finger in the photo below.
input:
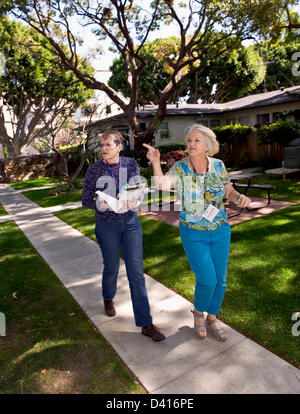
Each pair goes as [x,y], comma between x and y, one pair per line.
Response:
[149,147]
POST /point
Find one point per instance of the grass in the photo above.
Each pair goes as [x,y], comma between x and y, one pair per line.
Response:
[46,328]
[20,185]
[53,196]
[48,197]
[263,274]
[3,212]
[286,190]
[262,295]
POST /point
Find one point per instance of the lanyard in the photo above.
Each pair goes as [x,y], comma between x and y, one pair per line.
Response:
[111,173]
[205,177]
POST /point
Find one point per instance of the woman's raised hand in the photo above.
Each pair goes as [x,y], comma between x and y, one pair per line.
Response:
[153,154]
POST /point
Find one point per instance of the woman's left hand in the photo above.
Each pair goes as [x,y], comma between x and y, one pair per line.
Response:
[244,201]
[129,205]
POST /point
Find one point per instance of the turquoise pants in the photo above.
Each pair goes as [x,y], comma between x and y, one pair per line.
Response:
[207,252]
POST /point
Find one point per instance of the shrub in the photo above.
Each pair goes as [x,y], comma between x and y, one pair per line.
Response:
[279,132]
[173,156]
[232,134]
[164,149]
[146,173]
[138,154]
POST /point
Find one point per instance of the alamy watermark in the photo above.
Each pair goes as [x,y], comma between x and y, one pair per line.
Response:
[296,326]
[296,66]
[2,324]
[2,64]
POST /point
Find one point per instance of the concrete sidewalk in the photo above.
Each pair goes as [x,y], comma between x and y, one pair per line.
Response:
[180,364]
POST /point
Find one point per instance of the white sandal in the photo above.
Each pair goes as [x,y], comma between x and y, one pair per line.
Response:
[199,328]
[217,332]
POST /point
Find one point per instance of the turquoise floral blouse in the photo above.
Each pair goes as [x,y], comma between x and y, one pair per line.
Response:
[198,191]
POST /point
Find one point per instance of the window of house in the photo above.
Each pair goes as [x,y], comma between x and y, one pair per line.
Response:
[164,130]
[297,114]
[263,119]
[244,120]
[215,123]
[202,122]
[143,126]
[86,111]
[279,116]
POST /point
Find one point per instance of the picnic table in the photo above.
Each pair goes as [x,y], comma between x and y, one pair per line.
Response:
[238,176]
[282,171]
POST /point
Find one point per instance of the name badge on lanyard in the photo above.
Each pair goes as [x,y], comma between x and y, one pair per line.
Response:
[111,173]
[210,213]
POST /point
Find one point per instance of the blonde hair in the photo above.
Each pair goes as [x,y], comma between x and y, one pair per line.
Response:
[209,136]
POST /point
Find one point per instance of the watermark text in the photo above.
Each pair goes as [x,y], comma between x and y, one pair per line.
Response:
[296,326]
[2,324]
[296,66]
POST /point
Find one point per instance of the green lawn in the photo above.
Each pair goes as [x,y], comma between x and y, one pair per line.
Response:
[3,212]
[286,190]
[50,345]
[263,276]
[48,197]
[19,185]
[262,295]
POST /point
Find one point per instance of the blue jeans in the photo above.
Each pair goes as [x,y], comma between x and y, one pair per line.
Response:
[125,234]
[207,252]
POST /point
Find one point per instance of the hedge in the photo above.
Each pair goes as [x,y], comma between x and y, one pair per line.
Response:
[279,132]
[232,134]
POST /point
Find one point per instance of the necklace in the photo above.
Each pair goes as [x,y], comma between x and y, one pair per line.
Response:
[193,166]
[111,172]
[205,177]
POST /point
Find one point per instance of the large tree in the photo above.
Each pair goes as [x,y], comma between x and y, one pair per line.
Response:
[279,62]
[34,89]
[154,77]
[232,75]
[204,28]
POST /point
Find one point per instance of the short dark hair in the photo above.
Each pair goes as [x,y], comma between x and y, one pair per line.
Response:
[118,137]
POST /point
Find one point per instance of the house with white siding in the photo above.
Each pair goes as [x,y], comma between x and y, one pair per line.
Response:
[253,110]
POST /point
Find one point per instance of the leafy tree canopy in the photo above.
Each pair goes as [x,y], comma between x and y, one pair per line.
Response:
[34,85]
[230,76]
[279,59]
[206,28]
[34,70]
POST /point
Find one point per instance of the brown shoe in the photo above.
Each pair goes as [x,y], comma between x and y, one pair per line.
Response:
[109,307]
[151,331]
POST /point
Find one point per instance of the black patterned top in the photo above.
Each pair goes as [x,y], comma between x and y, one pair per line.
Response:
[109,178]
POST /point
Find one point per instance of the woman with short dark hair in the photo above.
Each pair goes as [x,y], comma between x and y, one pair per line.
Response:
[119,230]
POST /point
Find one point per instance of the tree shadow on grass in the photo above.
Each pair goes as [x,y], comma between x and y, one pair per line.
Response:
[81,367]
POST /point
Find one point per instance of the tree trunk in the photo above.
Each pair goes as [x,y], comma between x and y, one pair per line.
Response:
[3,177]
[146,137]
[79,168]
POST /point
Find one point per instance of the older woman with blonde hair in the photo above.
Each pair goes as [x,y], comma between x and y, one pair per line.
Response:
[202,183]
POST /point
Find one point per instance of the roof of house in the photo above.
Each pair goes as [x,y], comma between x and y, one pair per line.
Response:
[264,99]
[283,95]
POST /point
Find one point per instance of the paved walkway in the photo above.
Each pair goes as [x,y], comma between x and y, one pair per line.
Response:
[180,364]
